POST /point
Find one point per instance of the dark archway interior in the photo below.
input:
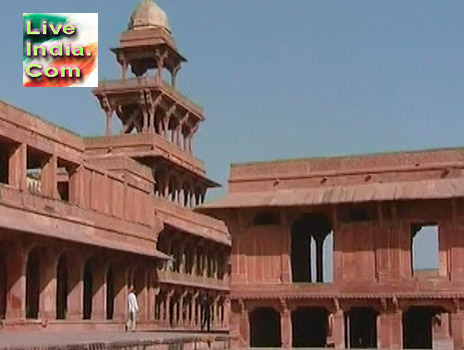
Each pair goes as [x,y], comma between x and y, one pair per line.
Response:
[110,294]
[139,280]
[62,288]
[311,225]
[309,328]
[362,325]
[33,284]
[265,328]
[417,327]
[3,288]
[88,291]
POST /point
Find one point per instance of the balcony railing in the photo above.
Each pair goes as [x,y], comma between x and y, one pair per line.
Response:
[196,281]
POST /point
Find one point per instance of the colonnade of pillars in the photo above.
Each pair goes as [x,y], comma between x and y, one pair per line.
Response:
[202,259]
[193,309]
[151,118]
[47,281]
[52,282]
[173,188]
[354,327]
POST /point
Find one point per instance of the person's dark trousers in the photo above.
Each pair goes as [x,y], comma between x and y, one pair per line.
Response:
[206,319]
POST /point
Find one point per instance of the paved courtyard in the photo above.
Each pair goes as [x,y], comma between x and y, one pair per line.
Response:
[99,339]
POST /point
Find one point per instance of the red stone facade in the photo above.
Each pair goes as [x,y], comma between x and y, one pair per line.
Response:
[282,214]
[84,219]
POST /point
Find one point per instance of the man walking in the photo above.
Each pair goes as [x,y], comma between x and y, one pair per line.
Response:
[133,308]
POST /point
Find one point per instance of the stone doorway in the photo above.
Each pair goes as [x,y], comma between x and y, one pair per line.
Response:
[361,326]
[265,328]
[418,327]
[309,327]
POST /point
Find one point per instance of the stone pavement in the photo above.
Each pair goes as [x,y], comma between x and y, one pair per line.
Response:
[99,339]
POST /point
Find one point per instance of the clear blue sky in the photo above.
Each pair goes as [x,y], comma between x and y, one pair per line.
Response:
[281,79]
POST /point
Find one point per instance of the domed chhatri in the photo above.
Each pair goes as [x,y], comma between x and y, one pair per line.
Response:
[148,14]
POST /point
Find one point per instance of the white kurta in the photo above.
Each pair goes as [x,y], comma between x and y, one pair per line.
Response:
[132,303]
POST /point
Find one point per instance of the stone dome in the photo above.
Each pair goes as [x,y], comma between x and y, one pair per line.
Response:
[148,14]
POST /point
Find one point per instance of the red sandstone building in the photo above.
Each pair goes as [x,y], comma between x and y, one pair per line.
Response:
[84,219]
[372,207]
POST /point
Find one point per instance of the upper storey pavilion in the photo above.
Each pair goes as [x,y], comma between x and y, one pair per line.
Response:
[158,123]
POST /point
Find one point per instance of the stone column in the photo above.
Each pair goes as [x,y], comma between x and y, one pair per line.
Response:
[49,178]
[151,296]
[198,312]
[48,283]
[338,329]
[285,326]
[180,321]
[16,264]
[390,330]
[244,328]
[151,126]
[76,186]
[145,119]
[17,166]
[193,314]
[76,261]
[168,308]
[99,290]
[457,328]
[319,262]
[441,333]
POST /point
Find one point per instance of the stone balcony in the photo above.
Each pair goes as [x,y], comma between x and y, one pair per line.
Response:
[172,277]
[144,145]
[150,83]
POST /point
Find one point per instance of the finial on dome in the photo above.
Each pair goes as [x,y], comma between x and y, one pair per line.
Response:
[148,14]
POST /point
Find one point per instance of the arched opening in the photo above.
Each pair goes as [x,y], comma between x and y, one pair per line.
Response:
[265,328]
[110,294]
[418,326]
[424,249]
[88,291]
[61,288]
[314,336]
[33,284]
[3,288]
[362,325]
[308,234]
